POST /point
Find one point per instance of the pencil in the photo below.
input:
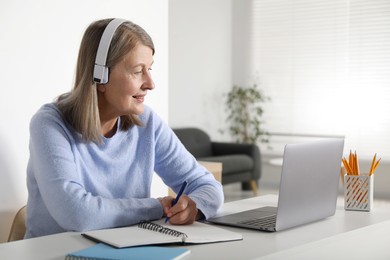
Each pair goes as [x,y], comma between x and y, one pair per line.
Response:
[376,165]
[357,164]
[346,166]
[351,162]
[372,164]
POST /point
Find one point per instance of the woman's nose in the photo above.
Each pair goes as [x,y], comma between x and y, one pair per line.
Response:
[148,83]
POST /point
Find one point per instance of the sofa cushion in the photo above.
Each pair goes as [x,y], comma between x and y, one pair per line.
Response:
[232,163]
[195,141]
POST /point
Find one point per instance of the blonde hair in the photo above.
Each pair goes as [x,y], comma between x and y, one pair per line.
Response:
[80,106]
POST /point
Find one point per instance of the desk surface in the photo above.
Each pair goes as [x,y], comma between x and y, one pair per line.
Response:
[255,244]
[370,242]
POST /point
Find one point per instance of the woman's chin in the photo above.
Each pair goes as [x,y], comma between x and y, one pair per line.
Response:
[138,110]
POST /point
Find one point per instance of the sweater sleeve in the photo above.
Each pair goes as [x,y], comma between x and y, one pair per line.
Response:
[174,164]
[54,174]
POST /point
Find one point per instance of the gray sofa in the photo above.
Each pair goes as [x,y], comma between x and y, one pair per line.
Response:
[240,162]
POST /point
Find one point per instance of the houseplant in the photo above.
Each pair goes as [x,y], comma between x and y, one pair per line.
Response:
[243,104]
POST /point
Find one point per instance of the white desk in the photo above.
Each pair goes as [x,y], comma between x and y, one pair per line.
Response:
[255,244]
[370,242]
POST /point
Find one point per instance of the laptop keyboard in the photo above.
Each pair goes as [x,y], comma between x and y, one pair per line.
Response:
[264,222]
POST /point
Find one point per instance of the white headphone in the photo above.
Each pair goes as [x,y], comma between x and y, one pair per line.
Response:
[100,70]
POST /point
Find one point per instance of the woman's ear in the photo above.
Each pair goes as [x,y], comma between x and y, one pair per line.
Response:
[101,88]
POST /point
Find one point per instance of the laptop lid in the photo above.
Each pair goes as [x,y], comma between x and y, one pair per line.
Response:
[309,182]
[308,189]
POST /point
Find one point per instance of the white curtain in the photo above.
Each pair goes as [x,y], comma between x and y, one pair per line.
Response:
[325,64]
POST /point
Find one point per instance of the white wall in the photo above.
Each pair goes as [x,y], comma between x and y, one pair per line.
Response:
[241,43]
[200,68]
[38,50]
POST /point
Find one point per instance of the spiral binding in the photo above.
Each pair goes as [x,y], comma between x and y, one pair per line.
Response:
[164,230]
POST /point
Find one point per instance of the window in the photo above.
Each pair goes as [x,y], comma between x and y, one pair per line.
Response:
[326,67]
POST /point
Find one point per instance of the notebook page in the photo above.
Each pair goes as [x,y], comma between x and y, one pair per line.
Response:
[131,236]
[199,232]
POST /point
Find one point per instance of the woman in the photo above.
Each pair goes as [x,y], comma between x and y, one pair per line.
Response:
[94,150]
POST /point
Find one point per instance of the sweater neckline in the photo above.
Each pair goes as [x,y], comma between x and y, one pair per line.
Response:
[115,135]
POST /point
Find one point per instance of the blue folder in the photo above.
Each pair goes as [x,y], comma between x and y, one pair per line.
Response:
[103,251]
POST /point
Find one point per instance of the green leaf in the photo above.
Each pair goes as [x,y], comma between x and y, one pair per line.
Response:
[244,112]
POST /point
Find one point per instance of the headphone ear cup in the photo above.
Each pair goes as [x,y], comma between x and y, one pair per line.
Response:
[100,74]
[106,71]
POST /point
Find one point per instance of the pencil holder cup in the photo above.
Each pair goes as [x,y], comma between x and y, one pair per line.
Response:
[358,192]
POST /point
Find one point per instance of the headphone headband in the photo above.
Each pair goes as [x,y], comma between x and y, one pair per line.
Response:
[100,71]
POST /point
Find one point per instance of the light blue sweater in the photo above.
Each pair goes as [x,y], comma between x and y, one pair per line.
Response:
[78,186]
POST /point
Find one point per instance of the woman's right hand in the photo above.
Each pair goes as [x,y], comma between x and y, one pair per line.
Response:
[166,204]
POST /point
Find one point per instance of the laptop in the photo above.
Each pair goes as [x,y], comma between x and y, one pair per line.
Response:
[307,192]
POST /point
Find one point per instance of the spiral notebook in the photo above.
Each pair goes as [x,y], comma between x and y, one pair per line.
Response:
[157,232]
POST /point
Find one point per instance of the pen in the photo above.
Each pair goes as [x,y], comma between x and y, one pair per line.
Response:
[183,187]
